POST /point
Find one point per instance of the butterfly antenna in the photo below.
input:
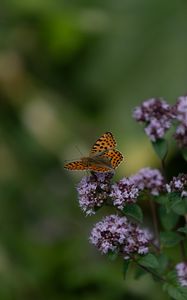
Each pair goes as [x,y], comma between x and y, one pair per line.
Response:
[78,150]
[70,160]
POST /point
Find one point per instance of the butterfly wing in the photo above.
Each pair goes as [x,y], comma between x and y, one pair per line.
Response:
[96,168]
[80,166]
[105,142]
[114,156]
[76,165]
[103,157]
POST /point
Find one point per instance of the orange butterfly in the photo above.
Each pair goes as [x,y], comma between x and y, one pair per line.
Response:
[103,156]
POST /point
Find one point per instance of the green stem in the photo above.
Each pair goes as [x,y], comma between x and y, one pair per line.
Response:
[182,250]
[150,271]
[182,245]
[157,249]
[155,221]
[185,217]
[163,165]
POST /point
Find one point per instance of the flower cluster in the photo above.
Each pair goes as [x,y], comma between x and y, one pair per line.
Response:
[180,111]
[93,191]
[124,192]
[181,269]
[117,234]
[157,115]
[178,184]
[148,179]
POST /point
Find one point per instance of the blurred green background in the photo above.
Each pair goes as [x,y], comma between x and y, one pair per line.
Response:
[69,71]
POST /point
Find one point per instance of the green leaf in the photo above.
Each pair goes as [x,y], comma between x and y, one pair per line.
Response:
[183,229]
[184,153]
[134,211]
[149,261]
[175,203]
[161,148]
[139,272]
[176,292]
[168,219]
[170,238]
[161,199]
[173,288]
[163,263]
[174,199]
[180,208]
[126,264]
[112,255]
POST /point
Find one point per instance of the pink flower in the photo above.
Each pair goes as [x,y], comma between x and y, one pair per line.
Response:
[180,111]
[124,192]
[93,191]
[178,184]
[117,234]
[157,116]
[181,269]
[148,179]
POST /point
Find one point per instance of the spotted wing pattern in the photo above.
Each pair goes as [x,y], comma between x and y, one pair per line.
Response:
[96,168]
[105,142]
[115,157]
[103,156]
[76,165]
[79,165]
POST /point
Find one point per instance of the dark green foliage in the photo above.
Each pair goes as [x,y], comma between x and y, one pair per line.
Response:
[174,202]
[126,264]
[112,255]
[134,211]
[170,238]
[184,153]
[161,148]
[149,261]
[173,288]
[182,229]
[168,219]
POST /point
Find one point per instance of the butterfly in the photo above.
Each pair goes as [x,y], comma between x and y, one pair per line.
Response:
[103,156]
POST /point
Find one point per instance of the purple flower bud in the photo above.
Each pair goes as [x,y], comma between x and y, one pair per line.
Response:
[178,184]
[148,179]
[124,192]
[180,111]
[93,191]
[117,234]
[157,115]
[181,269]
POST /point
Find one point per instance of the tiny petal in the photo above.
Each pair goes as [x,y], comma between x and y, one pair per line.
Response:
[178,184]
[157,114]
[93,191]
[180,112]
[181,269]
[124,192]
[114,233]
[149,179]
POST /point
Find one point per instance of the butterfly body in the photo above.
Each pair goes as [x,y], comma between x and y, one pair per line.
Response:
[96,160]
[103,156]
